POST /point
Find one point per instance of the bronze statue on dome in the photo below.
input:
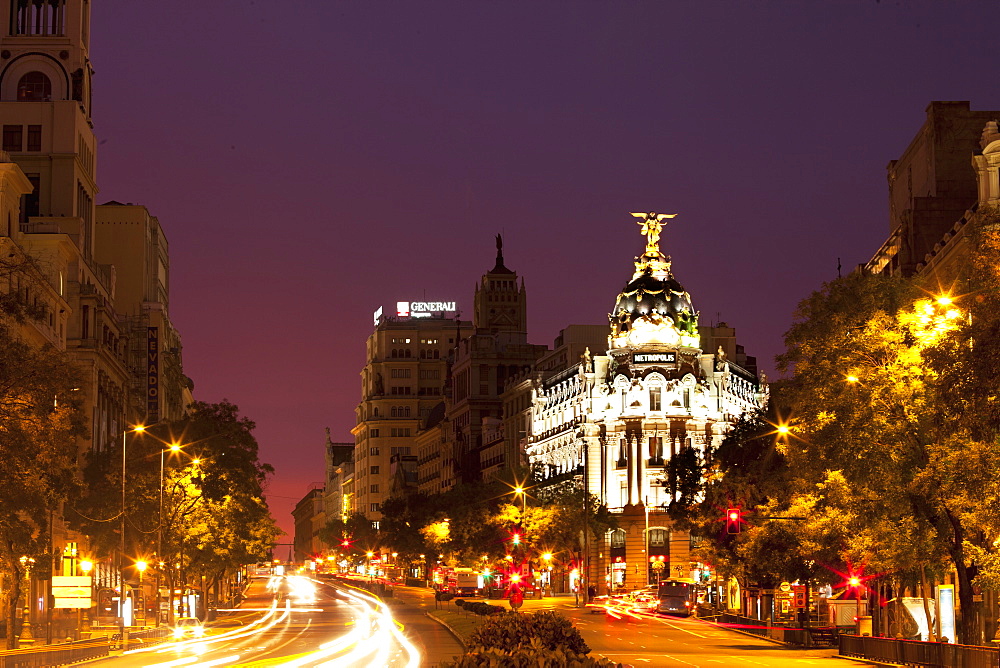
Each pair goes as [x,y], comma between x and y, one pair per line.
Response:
[652,224]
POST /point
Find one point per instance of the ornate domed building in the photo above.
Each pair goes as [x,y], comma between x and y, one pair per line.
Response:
[617,419]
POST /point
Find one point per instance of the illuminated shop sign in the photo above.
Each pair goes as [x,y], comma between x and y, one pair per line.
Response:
[423,309]
[413,310]
[654,358]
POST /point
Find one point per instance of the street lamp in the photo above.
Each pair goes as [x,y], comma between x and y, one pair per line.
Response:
[83,621]
[174,448]
[519,491]
[138,429]
[141,567]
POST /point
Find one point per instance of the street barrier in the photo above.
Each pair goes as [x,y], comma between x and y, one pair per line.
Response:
[918,653]
[55,655]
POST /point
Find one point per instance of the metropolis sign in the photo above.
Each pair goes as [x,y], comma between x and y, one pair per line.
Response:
[654,358]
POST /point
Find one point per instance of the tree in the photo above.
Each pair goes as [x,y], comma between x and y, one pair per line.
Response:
[40,420]
[894,398]
[214,516]
[217,516]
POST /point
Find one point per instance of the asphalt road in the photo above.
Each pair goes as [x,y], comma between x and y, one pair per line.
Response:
[335,626]
[299,622]
[657,640]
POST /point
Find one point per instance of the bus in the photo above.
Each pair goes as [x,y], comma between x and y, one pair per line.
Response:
[677,597]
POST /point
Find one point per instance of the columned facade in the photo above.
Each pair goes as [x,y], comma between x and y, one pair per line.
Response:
[617,419]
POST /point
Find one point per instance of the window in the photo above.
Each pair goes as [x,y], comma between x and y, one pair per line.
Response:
[622,453]
[34,138]
[618,538]
[430,374]
[373,489]
[400,391]
[400,451]
[34,87]
[39,17]
[399,373]
[12,138]
[372,451]
[373,470]
[657,537]
[400,432]
[655,398]
[655,449]
[373,433]
[374,508]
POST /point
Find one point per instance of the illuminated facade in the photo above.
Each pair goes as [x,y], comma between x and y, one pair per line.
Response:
[402,381]
[88,279]
[618,418]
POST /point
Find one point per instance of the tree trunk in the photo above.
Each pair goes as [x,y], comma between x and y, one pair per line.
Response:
[12,609]
[968,628]
[927,610]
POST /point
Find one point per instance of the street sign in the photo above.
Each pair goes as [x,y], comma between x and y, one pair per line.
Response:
[71,591]
[82,603]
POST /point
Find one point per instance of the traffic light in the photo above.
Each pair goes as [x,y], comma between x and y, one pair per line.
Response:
[516,539]
[733,520]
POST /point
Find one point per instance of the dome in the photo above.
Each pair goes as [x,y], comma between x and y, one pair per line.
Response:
[648,294]
[653,308]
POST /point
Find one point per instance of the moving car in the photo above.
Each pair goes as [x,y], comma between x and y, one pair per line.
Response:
[188,627]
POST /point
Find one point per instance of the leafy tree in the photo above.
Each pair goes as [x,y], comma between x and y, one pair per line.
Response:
[214,515]
[894,406]
[357,530]
[40,420]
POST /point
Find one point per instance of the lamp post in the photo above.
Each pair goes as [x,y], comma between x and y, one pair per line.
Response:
[141,567]
[855,582]
[83,617]
[519,491]
[26,637]
[138,429]
[174,448]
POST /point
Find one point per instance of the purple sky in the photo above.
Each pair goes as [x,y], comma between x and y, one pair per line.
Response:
[310,161]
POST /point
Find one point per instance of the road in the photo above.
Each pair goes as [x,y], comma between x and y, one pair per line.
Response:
[655,640]
[295,622]
[304,622]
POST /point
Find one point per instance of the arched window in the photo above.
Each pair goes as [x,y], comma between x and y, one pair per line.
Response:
[618,538]
[34,87]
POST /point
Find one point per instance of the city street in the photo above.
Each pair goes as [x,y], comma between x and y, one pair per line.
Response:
[672,641]
[306,622]
[299,622]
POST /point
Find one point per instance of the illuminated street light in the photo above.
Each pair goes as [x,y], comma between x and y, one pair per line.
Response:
[83,617]
[173,448]
[137,429]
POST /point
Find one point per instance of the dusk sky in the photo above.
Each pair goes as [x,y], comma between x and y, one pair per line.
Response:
[310,161]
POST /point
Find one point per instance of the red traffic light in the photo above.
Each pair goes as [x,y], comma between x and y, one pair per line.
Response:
[734,520]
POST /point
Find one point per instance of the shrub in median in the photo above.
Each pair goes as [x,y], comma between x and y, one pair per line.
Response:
[510,631]
[460,602]
[529,655]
